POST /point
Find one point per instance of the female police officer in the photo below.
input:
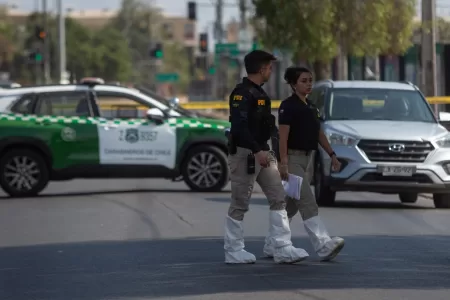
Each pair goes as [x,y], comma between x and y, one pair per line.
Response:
[300,134]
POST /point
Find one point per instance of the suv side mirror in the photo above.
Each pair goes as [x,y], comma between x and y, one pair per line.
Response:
[156,115]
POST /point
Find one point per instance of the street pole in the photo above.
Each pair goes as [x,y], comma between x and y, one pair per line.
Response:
[37,67]
[61,40]
[428,53]
[218,79]
[243,27]
[46,55]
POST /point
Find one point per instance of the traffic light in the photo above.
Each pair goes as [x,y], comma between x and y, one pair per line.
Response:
[40,33]
[192,10]
[203,43]
[157,51]
[35,56]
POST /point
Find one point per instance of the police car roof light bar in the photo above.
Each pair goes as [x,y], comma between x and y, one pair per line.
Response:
[92,81]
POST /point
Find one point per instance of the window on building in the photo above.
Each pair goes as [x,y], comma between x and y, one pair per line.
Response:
[168,30]
[189,31]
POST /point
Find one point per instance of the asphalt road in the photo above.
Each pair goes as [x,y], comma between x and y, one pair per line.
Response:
[149,239]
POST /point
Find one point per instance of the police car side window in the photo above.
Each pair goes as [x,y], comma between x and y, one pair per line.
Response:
[65,104]
[23,105]
[119,106]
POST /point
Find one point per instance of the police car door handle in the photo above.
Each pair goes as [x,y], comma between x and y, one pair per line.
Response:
[110,126]
[43,122]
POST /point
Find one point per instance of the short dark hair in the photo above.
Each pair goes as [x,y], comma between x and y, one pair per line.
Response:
[292,74]
[255,60]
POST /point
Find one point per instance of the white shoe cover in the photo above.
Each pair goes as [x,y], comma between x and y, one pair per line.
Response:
[280,237]
[234,243]
[268,247]
[326,247]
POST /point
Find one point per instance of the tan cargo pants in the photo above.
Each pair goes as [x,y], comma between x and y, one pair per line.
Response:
[302,165]
[242,184]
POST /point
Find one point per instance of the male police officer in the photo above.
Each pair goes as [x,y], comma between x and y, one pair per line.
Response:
[250,161]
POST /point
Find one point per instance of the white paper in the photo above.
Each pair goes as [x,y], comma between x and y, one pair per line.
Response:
[293,186]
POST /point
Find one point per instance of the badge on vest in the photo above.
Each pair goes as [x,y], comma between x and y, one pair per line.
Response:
[261,102]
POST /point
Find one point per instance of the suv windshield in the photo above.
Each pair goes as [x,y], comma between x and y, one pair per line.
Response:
[378,104]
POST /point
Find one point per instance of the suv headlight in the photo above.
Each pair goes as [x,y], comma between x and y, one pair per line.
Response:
[336,138]
[444,142]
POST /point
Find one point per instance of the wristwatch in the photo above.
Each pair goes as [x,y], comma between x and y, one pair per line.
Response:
[332,153]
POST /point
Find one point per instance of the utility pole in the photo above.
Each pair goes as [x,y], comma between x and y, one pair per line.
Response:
[218,30]
[46,55]
[61,40]
[37,67]
[428,53]
[243,28]
[243,14]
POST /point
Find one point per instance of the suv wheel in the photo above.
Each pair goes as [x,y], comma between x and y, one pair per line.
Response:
[24,173]
[322,191]
[205,169]
[408,197]
[441,200]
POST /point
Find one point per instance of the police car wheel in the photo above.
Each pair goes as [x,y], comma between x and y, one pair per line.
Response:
[323,193]
[205,169]
[24,173]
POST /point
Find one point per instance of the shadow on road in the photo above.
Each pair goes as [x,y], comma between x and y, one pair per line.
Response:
[174,268]
[338,204]
[124,191]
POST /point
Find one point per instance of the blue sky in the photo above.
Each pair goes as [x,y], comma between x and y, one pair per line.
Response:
[205,11]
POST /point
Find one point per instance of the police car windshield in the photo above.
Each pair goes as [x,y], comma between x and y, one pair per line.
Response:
[378,104]
[164,101]
[7,101]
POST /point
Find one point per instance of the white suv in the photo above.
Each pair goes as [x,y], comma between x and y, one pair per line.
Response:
[387,138]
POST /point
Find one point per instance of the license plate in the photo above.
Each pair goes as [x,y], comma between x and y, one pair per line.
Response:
[396,170]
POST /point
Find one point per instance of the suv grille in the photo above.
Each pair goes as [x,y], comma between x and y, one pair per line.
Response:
[404,151]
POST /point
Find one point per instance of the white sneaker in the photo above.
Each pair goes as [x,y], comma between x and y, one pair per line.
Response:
[331,249]
[327,248]
[268,248]
[234,244]
[280,239]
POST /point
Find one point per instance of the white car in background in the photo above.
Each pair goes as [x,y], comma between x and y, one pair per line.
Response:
[444,116]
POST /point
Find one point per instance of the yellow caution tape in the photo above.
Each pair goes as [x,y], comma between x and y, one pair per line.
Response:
[217,105]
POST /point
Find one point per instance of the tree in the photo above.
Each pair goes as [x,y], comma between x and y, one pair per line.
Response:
[400,25]
[101,53]
[78,49]
[319,29]
[110,55]
[7,47]
[139,23]
[176,61]
[443,30]
[142,26]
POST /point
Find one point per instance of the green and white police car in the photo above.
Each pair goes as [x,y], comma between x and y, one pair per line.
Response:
[63,132]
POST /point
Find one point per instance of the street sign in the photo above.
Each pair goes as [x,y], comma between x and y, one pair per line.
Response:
[167,77]
[245,41]
[227,48]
